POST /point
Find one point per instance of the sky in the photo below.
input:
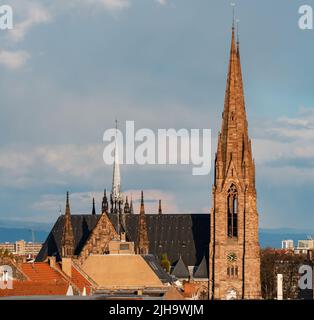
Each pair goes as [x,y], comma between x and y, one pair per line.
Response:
[69,68]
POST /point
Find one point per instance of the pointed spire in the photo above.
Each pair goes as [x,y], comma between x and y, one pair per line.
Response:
[142,208]
[142,238]
[104,204]
[116,179]
[159,208]
[94,210]
[67,241]
[131,206]
[233,142]
[126,206]
[67,205]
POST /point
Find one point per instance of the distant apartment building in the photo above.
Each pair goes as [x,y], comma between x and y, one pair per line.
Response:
[304,246]
[287,245]
[22,248]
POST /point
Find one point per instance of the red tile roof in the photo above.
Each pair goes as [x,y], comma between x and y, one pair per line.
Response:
[31,288]
[41,272]
[45,280]
[80,281]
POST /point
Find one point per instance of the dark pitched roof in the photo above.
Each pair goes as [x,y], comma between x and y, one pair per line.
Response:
[156,267]
[82,226]
[185,235]
[202,270]
[180,270]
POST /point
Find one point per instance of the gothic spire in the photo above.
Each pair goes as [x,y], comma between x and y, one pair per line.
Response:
[104,204]
[233,142]
[159,208]
[126,205]
[131,206]
[67,240]
[142,208]
[116,178]
[142,239]
[94,210]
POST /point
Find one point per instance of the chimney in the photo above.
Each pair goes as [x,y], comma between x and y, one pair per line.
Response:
[67,266]
[52,262]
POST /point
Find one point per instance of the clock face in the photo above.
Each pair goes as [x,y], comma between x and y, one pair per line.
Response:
[232,257]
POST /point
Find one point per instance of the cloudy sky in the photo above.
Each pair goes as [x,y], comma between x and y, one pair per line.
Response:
[69,68]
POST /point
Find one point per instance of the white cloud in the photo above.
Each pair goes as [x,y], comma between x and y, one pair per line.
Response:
[115,4]
[31,15]
[283,149]
[162,2]
[13,59]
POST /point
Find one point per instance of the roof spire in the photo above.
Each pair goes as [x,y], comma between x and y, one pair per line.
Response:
[104,205]
[142,237]
[116,178]
[94,210]
[126,205]
[142,209]
[67,205]
[67,241]
[159,208]
[131,206]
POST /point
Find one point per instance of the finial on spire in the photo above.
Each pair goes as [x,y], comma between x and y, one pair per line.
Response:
[238,32]
[233,14]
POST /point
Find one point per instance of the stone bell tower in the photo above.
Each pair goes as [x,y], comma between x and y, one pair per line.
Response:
[234,261]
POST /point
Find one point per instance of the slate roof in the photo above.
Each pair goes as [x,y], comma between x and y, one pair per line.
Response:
[202,270]
[185,235]
[156,267]
[82,226]
[180,270]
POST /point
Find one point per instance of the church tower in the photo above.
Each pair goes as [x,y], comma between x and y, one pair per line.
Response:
[234,261]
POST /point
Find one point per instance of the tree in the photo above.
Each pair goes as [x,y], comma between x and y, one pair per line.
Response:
[284,262]
[165,263]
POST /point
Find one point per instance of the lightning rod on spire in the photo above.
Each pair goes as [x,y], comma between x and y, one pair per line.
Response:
[233,14]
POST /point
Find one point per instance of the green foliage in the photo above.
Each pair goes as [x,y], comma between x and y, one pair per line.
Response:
[165,263]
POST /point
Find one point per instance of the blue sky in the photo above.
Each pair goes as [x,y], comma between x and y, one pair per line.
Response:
[68,68]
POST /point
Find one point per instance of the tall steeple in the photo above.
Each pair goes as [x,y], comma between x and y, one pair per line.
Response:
[234,247]
[234,145]
[67,241]
[116,178]
[142,238]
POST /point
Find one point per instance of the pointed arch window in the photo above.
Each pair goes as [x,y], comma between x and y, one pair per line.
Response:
[232,212]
